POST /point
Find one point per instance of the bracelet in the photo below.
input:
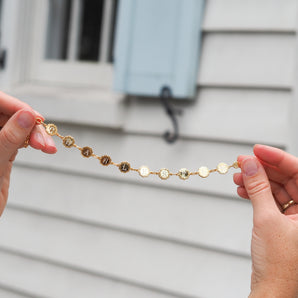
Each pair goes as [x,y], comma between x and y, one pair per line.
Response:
[124,166]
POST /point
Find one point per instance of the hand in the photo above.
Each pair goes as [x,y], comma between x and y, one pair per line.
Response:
[270,180]
[17,121]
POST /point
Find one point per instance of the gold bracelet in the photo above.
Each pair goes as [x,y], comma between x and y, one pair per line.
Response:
[125,167]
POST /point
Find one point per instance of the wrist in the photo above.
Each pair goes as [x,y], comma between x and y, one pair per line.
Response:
[275,289]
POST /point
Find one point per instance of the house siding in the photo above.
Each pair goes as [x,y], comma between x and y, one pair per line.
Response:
[76,229]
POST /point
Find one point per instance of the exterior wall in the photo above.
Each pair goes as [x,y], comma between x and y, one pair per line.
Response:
[76,229]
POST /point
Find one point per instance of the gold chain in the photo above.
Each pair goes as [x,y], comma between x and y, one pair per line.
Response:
[125,167]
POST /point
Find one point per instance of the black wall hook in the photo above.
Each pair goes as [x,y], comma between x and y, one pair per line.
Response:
[165,95]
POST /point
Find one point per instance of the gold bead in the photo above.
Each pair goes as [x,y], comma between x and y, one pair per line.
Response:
[204,172]
[144,171]
[68,141]
[87,151]
[184,174]
[222,168]
[235,165]
[124,167]
[164,174]
[105,160]
[51,129]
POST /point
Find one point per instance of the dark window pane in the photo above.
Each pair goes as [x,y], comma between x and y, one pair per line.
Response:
[112,37]
[58,29]
[89,48]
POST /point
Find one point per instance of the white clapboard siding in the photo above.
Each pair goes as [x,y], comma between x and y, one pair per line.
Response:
[159,264]
[41,278]
[156,212]
[257,15]
[140,150]
[252,60]
[239,115]
[6,292]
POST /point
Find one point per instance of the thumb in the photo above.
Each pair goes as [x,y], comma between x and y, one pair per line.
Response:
[257,186]
[14,133]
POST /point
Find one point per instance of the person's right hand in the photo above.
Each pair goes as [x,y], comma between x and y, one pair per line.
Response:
[17,121]
[270,180]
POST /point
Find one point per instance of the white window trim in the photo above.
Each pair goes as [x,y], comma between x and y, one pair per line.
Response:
[84,106]
[96,105]
[61,72]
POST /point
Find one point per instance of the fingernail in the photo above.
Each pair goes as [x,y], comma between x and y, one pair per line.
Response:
[50,142]
[249,167]
[39,138]
[26,119]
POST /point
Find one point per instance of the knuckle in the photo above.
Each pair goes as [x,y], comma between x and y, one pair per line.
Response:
[257,187]
[9,138]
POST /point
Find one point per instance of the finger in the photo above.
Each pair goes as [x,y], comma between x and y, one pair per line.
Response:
[3,119]
[240,158]
[4,186]
[257,186]
[40,140]
[289,182]
[37,139]
[275,174]
[10,105]
[238,179]
[14,133]
[39,115]
[242,192]
[280,194]
[293,210]
[13,157]
[275,157]
[50,145]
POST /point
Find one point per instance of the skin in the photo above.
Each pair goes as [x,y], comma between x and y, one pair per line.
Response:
[17,121]
[269,180]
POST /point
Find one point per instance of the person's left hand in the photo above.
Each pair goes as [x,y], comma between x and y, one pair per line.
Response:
[17,121]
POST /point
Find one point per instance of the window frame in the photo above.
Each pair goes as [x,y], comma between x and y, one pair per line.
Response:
[66,102]
[63,72]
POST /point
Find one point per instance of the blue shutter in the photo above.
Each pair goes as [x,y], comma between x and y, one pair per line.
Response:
[157,45]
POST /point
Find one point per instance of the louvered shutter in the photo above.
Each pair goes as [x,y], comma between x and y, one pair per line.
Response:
[157,45]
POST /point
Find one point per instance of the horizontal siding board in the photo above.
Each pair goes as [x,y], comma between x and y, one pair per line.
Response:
[157,212]
[41,277]
[252,60]
[265,15]
[239,115]
[139,150]
[11,293]
[141,260]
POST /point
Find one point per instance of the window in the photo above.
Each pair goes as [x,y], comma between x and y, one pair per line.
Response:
[73,42]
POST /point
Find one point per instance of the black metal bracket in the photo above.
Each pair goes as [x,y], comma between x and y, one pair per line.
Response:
[172,112]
